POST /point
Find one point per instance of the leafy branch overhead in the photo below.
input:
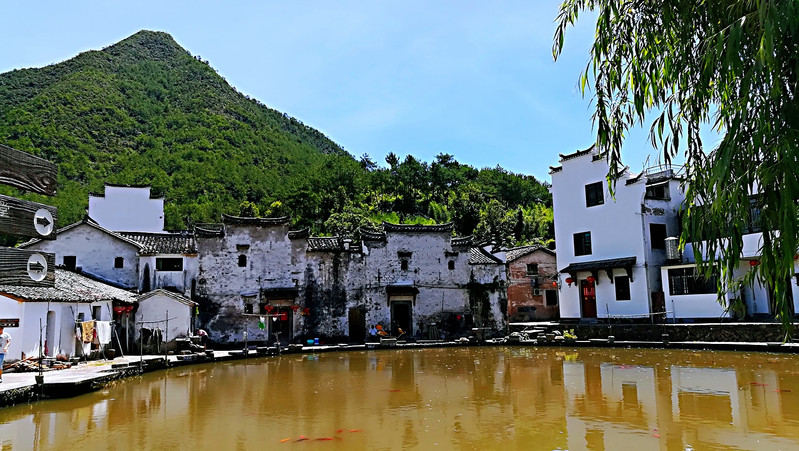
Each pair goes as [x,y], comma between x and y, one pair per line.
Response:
[680,65]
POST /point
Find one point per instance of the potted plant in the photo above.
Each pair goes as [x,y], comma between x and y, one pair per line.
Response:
[569,336]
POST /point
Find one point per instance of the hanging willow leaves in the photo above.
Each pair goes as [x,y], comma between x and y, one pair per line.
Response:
[679,64]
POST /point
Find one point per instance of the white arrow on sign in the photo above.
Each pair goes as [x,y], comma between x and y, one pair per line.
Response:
[37,267]
[43,221]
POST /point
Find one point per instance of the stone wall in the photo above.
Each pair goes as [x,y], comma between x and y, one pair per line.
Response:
[717,332]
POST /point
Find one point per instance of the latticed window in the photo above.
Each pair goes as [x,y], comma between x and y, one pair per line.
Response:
[686,281]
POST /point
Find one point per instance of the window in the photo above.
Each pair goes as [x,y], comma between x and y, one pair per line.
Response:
[404,265]
[658,191]
[657,236]
[622,284]
[96,312]
[532,269]
[582,243]
[451,265]
[594,194]
[70,262]
[687,281]
[119,262]
[551,297]
[755,209]
[248,308]
[169,264]
[242,261]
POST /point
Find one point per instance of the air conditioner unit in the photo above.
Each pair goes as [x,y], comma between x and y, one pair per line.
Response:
[536,292]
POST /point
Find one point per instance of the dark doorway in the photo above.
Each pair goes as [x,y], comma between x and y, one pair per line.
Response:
[401,318]
[145,284]
[588,298]
[357,323]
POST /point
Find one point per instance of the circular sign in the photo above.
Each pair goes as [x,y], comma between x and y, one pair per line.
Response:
[43,221]
[37,267]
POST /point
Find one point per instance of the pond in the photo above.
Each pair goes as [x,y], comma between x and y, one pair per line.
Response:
[451,398]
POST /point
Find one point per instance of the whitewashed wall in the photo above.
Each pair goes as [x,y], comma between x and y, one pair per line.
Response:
[155,308]
[159,279]
[26,337]
[127,209]
[95,252]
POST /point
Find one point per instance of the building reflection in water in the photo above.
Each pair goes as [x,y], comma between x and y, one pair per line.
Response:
[461,398]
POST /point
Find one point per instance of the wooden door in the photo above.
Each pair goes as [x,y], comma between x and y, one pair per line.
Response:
[588,298]
[357,325]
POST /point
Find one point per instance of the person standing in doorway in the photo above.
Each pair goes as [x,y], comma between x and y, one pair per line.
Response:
[5,340]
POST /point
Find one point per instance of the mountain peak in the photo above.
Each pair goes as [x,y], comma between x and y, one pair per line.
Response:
[147,45]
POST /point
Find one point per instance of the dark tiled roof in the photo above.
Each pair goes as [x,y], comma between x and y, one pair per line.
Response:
[176,296]
[209,229]
[417,228]
[322,244]
[478,256]
[70,287]
[579,153]
[462,241]
[164,243]
[554,169]
[297,234]
[263,222]
[371,235]
[518,252]
[596,265]
[91,223]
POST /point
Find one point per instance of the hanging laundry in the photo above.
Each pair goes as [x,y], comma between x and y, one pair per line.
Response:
[87,331]
[262,323]
[103,331]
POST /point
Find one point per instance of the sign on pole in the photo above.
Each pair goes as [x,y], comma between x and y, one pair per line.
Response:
[9,322]
[29,219]
[26,268]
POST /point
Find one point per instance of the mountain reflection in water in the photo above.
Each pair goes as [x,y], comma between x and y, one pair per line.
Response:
[454,398]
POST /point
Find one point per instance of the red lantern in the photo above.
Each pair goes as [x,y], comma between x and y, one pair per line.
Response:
[128,309]
[295,307]
[119,309]
[590,279]
[754,262]
[569,280]
[306,311]
[459,317]
[555,284]
[268,308]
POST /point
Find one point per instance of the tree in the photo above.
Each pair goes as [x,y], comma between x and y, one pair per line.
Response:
[731,65]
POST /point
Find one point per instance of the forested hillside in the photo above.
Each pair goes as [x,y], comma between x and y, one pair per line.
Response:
[146,112]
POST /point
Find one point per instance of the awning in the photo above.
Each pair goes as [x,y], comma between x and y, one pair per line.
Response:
[608,265]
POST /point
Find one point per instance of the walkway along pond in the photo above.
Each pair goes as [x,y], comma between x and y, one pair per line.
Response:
[480,397]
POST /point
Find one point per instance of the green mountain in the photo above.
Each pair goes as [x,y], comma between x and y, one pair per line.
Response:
[146,112]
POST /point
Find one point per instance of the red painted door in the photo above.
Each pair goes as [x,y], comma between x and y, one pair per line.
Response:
[588,298]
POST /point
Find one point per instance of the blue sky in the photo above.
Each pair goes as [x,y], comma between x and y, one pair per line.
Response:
[472,79]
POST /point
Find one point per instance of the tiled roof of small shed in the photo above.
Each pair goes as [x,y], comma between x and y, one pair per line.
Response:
[521,251]
[208,229]
[478,256]
[164,243]
[70,287]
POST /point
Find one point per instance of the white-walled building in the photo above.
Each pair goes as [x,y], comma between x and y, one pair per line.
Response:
[159,305]
[73,299]
[688,295]
[128,209]
[610,248]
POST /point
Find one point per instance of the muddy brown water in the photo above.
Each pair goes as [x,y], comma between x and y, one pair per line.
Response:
[477,398]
